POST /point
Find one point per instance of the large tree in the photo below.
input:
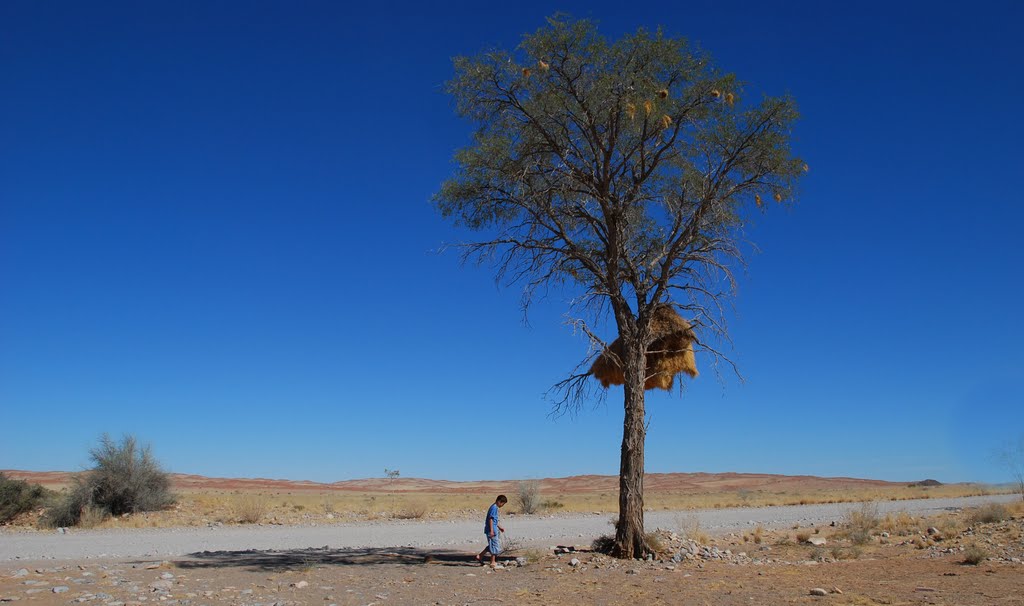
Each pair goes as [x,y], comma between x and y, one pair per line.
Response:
[622,172]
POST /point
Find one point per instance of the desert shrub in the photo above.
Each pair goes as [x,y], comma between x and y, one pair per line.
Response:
[552,504]
[975,554]
[17,497]
[67,510]
[126,478]
[528,496]
[990,513]
[250,510]
[803,536]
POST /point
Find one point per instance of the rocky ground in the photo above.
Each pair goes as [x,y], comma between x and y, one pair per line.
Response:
[958,558]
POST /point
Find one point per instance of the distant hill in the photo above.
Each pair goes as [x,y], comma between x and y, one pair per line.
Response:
[653,482]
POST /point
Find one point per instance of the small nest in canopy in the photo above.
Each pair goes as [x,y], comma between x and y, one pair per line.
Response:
[670,353]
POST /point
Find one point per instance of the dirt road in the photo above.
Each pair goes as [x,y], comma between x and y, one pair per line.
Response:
[457,534]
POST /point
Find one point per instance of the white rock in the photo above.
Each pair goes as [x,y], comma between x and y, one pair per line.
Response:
[817,541]
[818,591]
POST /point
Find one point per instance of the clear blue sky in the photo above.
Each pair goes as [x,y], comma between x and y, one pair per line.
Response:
[216,234]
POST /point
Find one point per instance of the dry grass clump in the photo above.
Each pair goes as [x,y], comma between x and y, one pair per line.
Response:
[654,543]
[901,524]
[757,536]
[91,516]
[415,511]
[689,528]
[989,514]
[860,522]
[669,354]
[803,536]
[250,509]
[975,554]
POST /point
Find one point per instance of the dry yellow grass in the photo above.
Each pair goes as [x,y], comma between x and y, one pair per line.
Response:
[203,506]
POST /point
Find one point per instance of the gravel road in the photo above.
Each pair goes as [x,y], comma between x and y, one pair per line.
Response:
[579,529]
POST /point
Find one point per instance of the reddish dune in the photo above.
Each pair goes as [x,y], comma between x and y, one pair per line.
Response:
[653,482]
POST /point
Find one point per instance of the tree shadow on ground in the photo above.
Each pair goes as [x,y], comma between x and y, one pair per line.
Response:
[298,559]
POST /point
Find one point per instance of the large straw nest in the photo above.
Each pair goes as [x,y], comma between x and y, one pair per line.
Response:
[669,354]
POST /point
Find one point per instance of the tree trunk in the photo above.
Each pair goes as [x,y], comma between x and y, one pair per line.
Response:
[629,533]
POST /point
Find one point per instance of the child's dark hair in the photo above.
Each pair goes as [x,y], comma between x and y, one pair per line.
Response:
[501,499]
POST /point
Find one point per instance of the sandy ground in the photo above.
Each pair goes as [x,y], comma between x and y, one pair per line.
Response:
[775,571]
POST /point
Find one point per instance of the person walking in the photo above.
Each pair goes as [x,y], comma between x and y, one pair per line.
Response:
[493,530]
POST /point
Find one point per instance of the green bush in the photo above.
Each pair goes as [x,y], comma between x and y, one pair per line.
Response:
[17,497]
[125,479]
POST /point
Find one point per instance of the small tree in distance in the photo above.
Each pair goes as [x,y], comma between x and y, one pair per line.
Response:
[622,172]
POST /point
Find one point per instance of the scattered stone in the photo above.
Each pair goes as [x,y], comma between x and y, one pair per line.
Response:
[933,530]
[574,562]
[60,589]
[819,591]
[23,572]
[300,585]
[161,585]
[837,590]
[817,541]
[521,561]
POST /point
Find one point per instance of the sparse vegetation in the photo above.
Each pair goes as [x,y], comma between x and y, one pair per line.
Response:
[415,511]
[528,496]
[17,497]
[250,509]
[124,479]
[989,513]
[860,522]
[975,554]
[901,524]
[689,528]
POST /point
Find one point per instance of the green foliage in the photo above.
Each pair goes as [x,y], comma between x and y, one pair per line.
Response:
[17,497]
[124,479]
[610,163]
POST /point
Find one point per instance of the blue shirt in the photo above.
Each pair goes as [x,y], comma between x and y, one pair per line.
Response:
[492,513]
